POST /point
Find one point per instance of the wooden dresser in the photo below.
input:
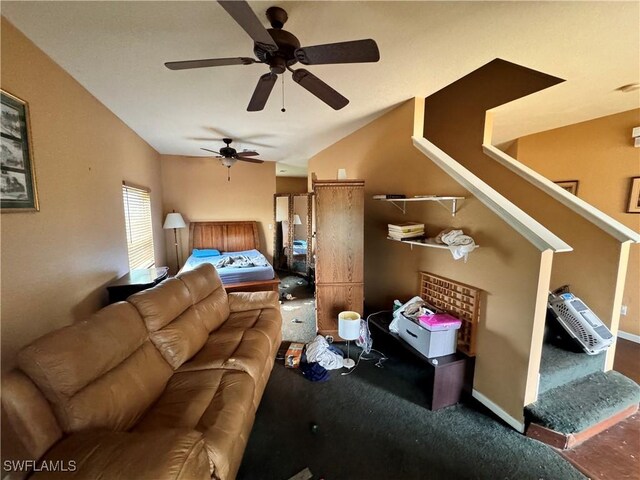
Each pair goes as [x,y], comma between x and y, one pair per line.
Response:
[339,207]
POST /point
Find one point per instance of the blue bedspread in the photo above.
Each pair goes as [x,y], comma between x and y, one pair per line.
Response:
[230,275]
[299,247]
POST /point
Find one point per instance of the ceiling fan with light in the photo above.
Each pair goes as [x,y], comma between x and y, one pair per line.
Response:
[280,49]
[229,156]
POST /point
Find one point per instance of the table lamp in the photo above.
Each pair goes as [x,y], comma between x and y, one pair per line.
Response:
[349,329]
[297,220]
[174,220]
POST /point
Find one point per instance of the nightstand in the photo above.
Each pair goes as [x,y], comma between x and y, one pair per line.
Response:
[135,281]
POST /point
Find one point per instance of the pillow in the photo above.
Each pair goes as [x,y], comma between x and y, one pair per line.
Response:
[208,252]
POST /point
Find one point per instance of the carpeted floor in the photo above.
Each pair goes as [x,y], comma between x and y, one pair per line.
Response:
[372,425]
[559,366]
[298,315]
[584,402]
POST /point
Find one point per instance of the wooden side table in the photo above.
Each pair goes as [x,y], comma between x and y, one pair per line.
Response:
[135,281]
[448,377]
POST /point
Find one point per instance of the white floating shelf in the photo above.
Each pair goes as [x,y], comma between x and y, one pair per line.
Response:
[401,203]
[427,242]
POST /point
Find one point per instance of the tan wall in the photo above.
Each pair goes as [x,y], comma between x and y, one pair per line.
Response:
[506,266]
[56,262]
[300,208]
[197,187]
[282,208]
[455,122]
[291,184]
[600,155]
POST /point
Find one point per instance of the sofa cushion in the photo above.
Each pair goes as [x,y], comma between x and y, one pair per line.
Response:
[242,301]
[233,349]
[174,325]
[267,321]
[169,454]
[161,304]
[202,281]
[261,383]
[181,339]
[29,414]
[218,403]
[100,373]
[207,295]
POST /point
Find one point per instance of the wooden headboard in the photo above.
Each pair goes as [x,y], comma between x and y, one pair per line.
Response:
[224,236]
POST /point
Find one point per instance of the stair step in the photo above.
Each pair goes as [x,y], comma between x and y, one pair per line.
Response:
[559,366]
[584,402]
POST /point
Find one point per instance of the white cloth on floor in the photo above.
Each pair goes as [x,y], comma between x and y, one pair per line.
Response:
[459,243]
[318,352]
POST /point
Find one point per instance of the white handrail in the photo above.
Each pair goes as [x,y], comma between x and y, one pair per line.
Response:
[589,212]
[520,221]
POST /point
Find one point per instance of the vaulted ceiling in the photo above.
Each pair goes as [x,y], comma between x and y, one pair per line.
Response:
[116,50]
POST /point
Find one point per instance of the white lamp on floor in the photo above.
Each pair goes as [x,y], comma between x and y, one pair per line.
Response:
[349,329]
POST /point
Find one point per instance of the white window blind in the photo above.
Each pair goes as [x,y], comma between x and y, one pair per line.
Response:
[137,214]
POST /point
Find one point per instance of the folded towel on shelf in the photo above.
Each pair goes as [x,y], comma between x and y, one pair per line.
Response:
[459,243]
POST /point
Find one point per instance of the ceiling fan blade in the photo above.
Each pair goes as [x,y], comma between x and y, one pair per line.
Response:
[251,160]
[320,89]
[212,151]
[262,92]
[209,62]
[356,51]
[241,12]
[247,154]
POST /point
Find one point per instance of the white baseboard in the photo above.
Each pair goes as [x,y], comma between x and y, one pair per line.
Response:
[629,336]
[517,424]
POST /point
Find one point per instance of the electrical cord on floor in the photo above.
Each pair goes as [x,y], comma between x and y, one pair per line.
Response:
[365,342]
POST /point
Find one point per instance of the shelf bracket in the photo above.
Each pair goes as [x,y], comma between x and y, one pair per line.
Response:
[454,205]
[402,208]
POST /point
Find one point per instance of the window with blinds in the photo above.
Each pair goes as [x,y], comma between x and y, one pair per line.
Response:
[137,214]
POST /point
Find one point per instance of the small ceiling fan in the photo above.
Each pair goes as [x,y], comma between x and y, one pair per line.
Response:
[229,156]
[280,50]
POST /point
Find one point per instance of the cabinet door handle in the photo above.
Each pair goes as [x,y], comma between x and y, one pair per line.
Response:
[411,333]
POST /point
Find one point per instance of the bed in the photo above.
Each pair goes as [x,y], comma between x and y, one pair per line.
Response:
[298,257]
[232,239]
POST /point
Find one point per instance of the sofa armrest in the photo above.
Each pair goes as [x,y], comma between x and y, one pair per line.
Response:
[160,454]
[243,301]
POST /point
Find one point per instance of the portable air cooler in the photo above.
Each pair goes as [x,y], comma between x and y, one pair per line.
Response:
[581,323]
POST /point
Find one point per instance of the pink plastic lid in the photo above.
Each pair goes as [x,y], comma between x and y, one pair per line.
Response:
[442,321]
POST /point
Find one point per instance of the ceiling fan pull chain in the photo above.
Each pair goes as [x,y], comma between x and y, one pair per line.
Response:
[228,174]
[283,109]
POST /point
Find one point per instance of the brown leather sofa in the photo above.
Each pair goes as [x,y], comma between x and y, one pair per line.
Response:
[162,386]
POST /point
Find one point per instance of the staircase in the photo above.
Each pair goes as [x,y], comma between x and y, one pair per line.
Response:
[577,400]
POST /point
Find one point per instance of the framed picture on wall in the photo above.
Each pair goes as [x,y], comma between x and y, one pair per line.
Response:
[634,196]
[570,186]
[17,174]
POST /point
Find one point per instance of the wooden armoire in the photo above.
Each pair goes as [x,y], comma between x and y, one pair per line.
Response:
[339,250]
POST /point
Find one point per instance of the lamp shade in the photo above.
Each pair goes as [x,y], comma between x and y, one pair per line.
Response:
[349,325]
[297,220]
[174,220]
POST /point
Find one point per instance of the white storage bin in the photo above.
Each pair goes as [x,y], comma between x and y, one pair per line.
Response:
[429,343]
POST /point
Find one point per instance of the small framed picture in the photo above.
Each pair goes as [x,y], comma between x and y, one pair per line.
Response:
[570,186]
[17,173]
[634,196]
